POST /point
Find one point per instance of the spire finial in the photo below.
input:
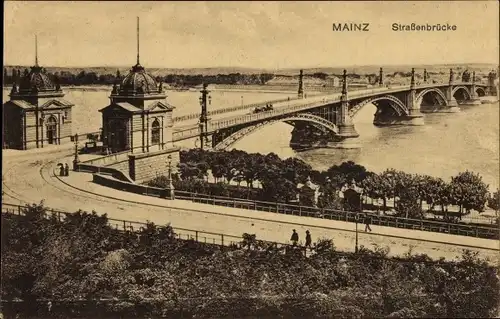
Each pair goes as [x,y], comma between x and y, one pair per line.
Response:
[36,50]
[137,40]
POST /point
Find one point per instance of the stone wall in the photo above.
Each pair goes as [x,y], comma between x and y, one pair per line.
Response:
[109,159]
[122,166]
[146,166]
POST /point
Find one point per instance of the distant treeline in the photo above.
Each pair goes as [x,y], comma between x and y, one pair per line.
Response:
[87,78]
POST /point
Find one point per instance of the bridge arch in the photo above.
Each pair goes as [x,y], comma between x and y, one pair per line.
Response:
[396,104]
[463,90]
[438,94]
[480,91]
[305,117]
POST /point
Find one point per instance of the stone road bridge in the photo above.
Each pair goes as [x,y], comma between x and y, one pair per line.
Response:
[326,121]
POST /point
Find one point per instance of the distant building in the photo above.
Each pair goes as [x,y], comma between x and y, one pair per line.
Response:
[308,192]
[36,114]
[333,81]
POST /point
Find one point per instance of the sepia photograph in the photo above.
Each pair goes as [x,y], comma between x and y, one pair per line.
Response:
[250,159]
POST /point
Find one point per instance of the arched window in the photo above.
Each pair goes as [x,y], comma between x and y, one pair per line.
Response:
[155,132]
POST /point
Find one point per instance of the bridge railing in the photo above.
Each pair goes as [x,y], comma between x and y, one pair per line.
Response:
[185,133]
[296,107]
[292,107]
[231,109]
[250,106]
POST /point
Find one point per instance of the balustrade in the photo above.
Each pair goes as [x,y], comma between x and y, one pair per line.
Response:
[286,106]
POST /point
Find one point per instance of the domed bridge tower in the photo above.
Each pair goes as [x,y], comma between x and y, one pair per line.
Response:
[36,114]
[138,119]
[138,122]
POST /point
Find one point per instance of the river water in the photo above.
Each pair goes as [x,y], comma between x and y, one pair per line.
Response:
[446,145]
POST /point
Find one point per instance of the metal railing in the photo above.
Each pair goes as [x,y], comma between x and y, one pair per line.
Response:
[212,238]
[230,109]
[346,216]
[123,225]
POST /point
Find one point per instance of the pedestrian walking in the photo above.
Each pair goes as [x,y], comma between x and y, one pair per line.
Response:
[294,238]
[308,239]
[368,221]
[61,169]
[66,169]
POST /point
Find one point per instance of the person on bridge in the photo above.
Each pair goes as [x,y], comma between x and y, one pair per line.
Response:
[294,238]
[66,169]
[308,239]
[368,221]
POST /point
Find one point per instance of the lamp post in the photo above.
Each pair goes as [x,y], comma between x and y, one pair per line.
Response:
[242,100]
[204,114]
[42,119]
[356,247]
[76,160]
[171,189]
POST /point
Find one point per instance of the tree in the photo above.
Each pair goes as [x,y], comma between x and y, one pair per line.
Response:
[320,75]
[296,170]
[429,189]
[372,186]
[443,197]
[265,77]
[407,190]
[468,191]
[346,173]
[251,168]
[494,201]
[279,190]
[387,184]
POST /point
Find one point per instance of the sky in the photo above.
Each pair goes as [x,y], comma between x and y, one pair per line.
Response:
[247,34]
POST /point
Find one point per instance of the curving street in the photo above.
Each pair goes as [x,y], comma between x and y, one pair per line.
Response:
[29,177]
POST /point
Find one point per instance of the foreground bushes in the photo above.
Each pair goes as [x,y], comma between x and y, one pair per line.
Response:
[149,273]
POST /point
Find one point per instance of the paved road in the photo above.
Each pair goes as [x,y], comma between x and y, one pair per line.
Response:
[29,177]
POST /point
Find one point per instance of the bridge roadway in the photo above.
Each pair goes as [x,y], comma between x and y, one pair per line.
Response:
[30,179]
[224,120]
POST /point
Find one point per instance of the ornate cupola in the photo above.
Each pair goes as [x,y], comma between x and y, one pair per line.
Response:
[138,85]
[35,84]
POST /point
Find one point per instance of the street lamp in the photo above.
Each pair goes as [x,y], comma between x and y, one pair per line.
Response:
[42,119]
[242,100]
[204,114]
[356,218]
[171,189]
[76,160]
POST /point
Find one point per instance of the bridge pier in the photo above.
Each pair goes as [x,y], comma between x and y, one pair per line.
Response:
[451,101]
[474,99]
[413,118]
[409,120]
[346,138]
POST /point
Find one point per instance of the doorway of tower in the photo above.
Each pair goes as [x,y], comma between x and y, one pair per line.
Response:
[117,136]
[51,130]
